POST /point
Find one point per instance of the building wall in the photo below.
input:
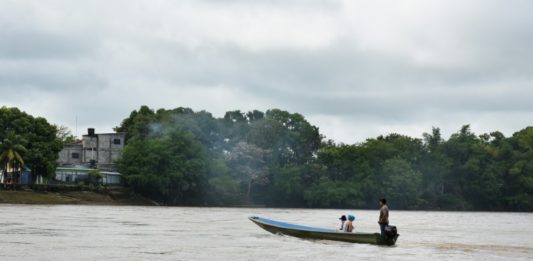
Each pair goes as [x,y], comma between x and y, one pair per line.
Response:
[104,149]
[67,155]
[110,147]
[90,148]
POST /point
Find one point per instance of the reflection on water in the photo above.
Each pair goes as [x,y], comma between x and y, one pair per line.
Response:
[171,233]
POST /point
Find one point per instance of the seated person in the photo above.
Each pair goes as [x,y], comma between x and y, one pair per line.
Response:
[348,227]
[343,220]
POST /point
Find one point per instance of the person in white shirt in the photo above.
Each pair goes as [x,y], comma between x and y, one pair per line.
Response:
[348,227]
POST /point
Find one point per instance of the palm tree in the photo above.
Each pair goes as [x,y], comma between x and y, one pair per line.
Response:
[10,155]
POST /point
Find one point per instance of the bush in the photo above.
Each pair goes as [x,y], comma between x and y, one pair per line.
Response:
[95,177]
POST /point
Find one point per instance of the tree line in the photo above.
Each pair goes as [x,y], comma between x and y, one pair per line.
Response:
[277,158]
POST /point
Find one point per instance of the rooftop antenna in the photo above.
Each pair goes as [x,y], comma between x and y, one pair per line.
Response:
[76,127]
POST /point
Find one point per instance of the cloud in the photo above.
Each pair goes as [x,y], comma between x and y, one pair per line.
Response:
[356,69]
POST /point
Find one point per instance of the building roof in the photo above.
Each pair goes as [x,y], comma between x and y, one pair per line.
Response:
[73,145]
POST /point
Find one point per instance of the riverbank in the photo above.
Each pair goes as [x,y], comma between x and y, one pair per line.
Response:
[73,197]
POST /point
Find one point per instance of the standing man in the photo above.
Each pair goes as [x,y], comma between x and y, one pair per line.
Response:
[383,215]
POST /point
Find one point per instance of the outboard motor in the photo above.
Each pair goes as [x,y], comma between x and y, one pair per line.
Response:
[391,231]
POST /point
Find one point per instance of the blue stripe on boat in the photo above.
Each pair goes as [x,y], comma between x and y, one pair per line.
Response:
[291,226]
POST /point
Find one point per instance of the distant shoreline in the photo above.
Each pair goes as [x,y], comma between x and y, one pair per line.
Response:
[106,199]
[71,198]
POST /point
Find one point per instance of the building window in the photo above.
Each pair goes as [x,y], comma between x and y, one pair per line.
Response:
[75,155]
[116,141]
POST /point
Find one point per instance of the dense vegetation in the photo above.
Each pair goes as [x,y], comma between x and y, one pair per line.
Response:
[277,158]
[29,141]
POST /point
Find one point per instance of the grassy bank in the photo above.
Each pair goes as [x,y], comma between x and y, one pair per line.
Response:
[71,197]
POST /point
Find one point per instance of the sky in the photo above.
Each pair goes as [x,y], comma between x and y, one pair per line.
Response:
[355,69]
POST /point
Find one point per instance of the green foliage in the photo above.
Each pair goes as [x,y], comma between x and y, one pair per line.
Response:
[65,135]
[518,179]
[95,177]
[333,194]
[224,190]
[288,185]
[168,166]
[138,124]
[11,149]
[36,136]
[289,137]
[96,173]
[401,183]
[277,158]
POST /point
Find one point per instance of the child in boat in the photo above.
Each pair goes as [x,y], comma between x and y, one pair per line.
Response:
[348,227]
[343,220]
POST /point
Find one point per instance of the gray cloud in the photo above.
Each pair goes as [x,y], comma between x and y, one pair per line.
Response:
[356,69]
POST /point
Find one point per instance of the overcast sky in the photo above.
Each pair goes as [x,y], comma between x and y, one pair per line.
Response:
[355,69]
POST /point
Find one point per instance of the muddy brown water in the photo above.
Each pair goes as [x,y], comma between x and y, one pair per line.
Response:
[34,232]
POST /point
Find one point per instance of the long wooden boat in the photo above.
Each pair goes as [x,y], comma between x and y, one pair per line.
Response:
[277,227]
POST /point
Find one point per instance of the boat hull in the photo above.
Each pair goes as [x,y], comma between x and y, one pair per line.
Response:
[277,227]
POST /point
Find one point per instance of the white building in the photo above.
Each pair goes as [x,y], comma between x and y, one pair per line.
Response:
[80,174]
[100,151]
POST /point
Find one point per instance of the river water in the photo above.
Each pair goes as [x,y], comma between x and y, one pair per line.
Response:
[36,232]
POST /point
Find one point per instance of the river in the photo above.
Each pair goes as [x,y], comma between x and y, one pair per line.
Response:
[66,232]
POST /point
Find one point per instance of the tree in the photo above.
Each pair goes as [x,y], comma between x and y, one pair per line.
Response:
[169,167]
[40,140]
[65,135]
[333,194]
[43,148]
[435,168]
[138,123]
[10,157]
[518,179]
[434,140]
[236,127]
[249,163]
[287,185]
[290,138]
[224,189]
[401,183]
